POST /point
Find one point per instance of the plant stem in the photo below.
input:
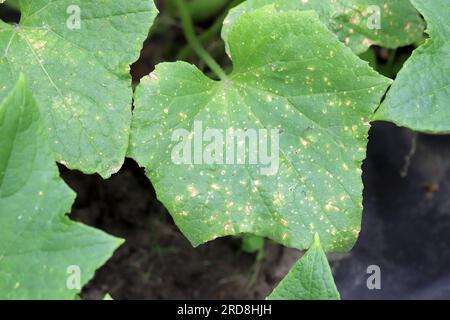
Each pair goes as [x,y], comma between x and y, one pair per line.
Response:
[191,37]
[186,51]
[256,269]
[215,28]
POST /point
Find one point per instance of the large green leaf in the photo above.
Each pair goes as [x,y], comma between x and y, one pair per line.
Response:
[292,74]
[420,97]
[38,243]
[309,279]
[348,19]
[80,77]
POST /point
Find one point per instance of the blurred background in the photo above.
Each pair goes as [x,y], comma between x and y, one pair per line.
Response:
[406,218]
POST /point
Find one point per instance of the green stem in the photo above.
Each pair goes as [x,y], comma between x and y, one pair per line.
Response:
[186,51]
[256,269]
[215,28]
[191,37]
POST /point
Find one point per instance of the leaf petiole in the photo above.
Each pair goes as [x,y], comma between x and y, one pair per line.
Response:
[209,33]
[191,37]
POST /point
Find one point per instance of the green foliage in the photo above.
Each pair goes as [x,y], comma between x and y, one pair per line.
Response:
[419,98]
[13,4]
[79,73]
[38,243]
[400,24]
[295,74]
[252,243]
[320,95]
[107,297]
[309,279]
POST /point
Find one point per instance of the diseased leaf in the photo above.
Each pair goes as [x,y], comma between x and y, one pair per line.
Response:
[309,279]
[39,245]
[355,22]
[291,76]
[420,97]
[76,54]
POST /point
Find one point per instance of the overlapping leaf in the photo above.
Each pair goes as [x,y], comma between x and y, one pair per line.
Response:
[358,23]
[76,54]
[38,244]
[309,279]
[420,97]
[290,74]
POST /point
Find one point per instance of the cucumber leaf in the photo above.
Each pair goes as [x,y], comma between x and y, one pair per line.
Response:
[76,55]
[399,23]
[307,85]
[309,279]
[39,244]
[420,97]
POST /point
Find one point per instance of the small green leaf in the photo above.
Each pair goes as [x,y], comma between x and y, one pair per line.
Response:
[252,243]
[308,87]
[353,21]
[76,55]
[39,245]
[309,279]
[419,98]
[107,297]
